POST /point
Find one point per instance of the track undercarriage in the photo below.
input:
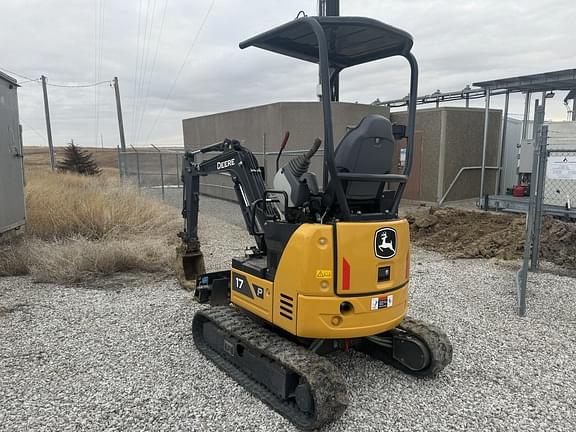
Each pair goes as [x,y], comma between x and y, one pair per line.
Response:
[296,381]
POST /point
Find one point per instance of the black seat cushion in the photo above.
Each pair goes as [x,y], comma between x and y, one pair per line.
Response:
[368,149]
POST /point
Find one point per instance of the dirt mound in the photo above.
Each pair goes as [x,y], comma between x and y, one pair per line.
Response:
[474,234]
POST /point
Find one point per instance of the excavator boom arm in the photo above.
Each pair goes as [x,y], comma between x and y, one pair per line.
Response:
[246,175]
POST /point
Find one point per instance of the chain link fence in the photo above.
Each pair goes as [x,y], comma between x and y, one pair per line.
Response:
[159,172]
[560,186]
[552,185]
[156,171]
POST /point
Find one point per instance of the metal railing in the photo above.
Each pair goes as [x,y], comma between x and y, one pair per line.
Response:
[453,183]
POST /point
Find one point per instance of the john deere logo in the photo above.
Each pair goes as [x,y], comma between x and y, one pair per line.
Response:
[385,243]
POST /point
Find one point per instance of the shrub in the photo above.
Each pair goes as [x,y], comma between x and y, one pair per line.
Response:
[78,161]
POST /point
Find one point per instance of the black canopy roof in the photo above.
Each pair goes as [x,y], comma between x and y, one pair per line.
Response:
[351,40]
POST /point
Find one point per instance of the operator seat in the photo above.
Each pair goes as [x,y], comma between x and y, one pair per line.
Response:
[367,148]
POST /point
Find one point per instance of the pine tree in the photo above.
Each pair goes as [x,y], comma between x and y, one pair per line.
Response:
[78,161]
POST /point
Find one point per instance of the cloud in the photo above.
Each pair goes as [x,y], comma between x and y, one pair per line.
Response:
[457,43]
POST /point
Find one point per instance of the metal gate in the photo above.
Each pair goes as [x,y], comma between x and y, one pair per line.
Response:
[553,178]
[12,207]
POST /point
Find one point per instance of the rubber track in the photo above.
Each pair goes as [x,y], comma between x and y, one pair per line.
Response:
[326,382]
[437,342]
[433,337]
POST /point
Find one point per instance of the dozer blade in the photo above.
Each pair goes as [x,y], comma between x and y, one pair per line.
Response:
[192,265]
[299,384]
[414,347]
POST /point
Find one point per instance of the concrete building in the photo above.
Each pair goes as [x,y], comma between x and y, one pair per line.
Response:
[447,139]
[12,208]
[262,128]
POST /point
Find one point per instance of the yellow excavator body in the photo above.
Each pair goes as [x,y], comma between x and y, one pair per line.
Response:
[343,281]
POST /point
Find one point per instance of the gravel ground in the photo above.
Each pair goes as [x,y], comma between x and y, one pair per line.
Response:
[119,356]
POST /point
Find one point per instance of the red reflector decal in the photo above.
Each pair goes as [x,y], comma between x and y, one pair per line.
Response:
[345,274]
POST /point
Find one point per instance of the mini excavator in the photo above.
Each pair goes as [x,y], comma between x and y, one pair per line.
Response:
[330,266]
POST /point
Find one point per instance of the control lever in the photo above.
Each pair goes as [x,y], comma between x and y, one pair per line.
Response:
[284,142]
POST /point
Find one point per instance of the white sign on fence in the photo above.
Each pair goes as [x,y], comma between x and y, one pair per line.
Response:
[561,168]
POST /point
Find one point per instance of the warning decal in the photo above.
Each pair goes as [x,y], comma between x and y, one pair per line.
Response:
[561,168]
[382,302]
[323,274]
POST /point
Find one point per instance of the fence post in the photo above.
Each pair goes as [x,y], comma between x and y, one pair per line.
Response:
[120,166]
[543,157]
[531,228]
[177,170]
[161,174]
[138,168]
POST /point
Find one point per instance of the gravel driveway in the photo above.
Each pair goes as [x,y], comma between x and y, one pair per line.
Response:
[118,355]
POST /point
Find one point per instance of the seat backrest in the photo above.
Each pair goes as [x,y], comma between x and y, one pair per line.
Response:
[367,148]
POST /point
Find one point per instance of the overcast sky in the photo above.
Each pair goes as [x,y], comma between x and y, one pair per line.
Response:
[146,42]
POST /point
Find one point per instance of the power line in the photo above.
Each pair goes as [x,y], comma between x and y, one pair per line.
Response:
[80,85]
[96,21]
[145,65]
[98,55]
[136,71]
[29,79]
[152,69]
[33,130]
[186,58]
[141,72]
[37,80]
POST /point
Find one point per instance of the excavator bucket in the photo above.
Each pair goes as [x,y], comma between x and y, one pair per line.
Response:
[193,265]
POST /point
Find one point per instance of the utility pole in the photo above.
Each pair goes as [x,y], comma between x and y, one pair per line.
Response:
[119,111]
[331,8]
[48,127]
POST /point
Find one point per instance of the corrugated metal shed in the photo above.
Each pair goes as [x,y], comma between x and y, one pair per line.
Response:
[12,206]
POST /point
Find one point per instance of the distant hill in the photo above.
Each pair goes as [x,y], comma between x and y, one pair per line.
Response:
[39,156]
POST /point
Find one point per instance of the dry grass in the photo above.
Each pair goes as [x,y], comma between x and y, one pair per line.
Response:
[83,227]
[79,259]
[63,205]
[12,262]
